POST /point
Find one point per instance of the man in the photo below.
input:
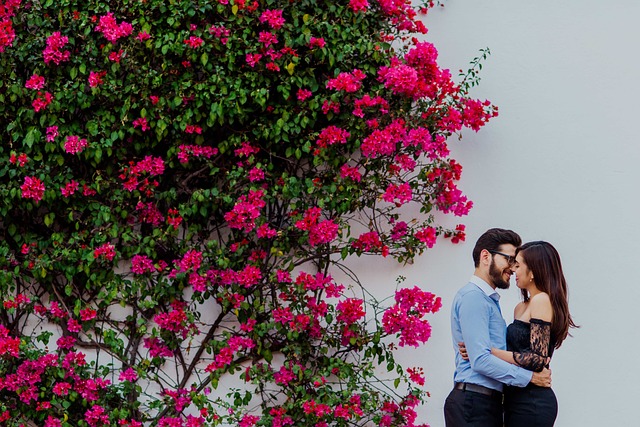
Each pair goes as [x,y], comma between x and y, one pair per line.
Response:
[476,320]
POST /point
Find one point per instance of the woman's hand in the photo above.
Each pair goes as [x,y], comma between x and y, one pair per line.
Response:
[463,351]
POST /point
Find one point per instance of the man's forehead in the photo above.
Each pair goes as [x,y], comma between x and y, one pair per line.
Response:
[508,249]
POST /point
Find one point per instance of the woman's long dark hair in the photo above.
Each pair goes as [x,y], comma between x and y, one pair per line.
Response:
[544,262]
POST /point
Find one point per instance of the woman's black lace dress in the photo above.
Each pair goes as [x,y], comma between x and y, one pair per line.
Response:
[531,406]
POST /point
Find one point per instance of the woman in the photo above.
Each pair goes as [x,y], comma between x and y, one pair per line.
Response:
[541,324]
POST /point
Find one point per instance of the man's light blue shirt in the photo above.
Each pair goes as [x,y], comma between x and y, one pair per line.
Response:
[477,321]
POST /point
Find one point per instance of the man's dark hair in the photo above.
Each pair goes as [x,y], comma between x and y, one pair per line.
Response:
[492,239]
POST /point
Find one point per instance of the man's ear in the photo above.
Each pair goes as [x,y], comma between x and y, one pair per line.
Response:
[485,257]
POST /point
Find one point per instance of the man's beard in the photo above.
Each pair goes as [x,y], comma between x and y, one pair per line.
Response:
[496,277]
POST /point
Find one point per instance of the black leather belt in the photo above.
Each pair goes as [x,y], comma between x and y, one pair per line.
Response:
[475,388]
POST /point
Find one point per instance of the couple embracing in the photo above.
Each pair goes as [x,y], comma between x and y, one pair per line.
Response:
[502,375]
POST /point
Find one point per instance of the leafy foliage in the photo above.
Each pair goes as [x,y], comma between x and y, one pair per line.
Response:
[179,179]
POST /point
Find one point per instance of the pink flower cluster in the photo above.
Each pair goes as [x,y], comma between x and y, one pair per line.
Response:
[451,199]
[176,320]
[221,33]
[332,135]
[358,5]
[348,82]
[111,30]
[42,101]
[21,159]
[52,133]
[95,78]
[398,194]
[35,82]
[226,355]
[316,42]
[186,151]
[69,189]
[320,232]
[53,52]
[384,142]
[32,188]
[74,145]
[273,18]
[149,213]
[405,316]
[106,251]
[9,346]
[350,310]
[141,264]
[246,211]
[367,102]
[458,235]
[350,172]
[194,42]
[142,123]
[427,235]
[370,242]
[131,174]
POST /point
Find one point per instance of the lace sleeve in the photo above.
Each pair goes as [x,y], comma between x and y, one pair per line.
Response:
[535,358]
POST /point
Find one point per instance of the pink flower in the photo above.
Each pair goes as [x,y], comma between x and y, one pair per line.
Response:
[427,235]
[52,133]
[316,42]
[73,325]
[273,18]
[69,188]
[141,264]
[143,36]
[324,232]
[21,159]
[96,415]
[194,42]
[332,135]
[267,38]
[32,188]
[350,310]
[402,193]
[52,422]
[303,94]
[348,82]
[95,78]
[66,342]
[358,5]
[252,59]
[221,33]
[7,34]
[142,123]
[61,389]
[110,28]
[53,52]
[193,129]
[74,145]
[116,56]
[87,314]
[35,82]
[106,251]
[350,172]
[42,101]
[256,174]
[128,375]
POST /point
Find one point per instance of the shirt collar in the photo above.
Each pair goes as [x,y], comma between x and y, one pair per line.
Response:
[485,287]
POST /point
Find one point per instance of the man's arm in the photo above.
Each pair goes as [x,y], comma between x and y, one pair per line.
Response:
[474,317]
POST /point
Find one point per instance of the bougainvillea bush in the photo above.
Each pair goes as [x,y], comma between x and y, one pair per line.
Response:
[178,181]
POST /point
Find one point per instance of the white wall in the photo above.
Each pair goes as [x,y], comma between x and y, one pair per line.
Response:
[560,163]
